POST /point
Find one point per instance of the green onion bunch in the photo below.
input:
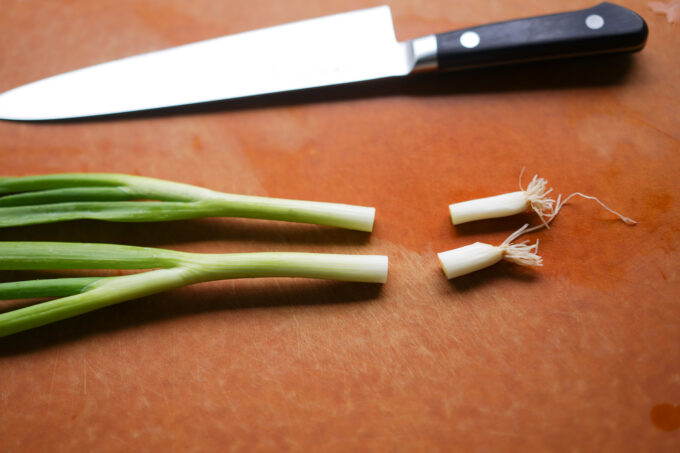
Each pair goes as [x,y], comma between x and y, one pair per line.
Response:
[53,198]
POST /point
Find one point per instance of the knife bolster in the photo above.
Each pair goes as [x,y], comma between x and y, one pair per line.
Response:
[423,53]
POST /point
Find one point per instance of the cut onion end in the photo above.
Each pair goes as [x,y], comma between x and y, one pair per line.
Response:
[489,208]
[470,258]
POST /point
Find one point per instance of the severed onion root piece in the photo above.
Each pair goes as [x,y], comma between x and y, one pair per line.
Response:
[535,197]
[479,255]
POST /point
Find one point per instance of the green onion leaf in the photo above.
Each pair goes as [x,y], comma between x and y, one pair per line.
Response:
[55,198]
[177,269]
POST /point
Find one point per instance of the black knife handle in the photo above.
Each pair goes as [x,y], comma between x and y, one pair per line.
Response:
[605,28]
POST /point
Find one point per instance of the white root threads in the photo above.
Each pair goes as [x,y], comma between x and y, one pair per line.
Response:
[523,253]
[624,219]
[537,196]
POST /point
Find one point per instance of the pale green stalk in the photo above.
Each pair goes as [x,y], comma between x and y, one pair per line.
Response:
[54,198]
[180,268]
[73,255]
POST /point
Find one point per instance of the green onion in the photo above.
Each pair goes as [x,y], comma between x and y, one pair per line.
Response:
[81,295]
[54,198]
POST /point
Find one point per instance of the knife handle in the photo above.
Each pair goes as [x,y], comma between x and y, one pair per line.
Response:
[605,28]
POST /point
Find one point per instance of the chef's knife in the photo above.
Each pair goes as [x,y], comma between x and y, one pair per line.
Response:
[342,48]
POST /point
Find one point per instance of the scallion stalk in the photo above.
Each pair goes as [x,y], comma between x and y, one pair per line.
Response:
[105,196]
[176,269]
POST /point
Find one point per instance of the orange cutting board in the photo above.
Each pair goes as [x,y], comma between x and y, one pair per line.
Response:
[578,355]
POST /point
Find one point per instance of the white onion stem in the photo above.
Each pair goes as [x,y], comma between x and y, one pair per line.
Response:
[470,258]
[488,208]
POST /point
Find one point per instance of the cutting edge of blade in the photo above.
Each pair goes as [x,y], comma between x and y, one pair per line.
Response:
[13,107]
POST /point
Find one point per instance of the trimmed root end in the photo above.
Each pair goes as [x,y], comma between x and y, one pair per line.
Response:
[523,254]
[537,194]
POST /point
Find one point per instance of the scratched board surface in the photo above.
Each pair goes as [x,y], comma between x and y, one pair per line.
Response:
[579,355]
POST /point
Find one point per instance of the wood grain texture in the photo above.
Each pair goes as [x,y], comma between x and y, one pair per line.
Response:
[573,356]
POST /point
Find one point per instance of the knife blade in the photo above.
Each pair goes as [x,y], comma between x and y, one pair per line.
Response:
[342,48]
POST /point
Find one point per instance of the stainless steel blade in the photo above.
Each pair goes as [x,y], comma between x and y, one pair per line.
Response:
[341,48]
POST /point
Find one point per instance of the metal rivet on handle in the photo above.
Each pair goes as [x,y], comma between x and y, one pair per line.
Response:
[594,22]
[469,39]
